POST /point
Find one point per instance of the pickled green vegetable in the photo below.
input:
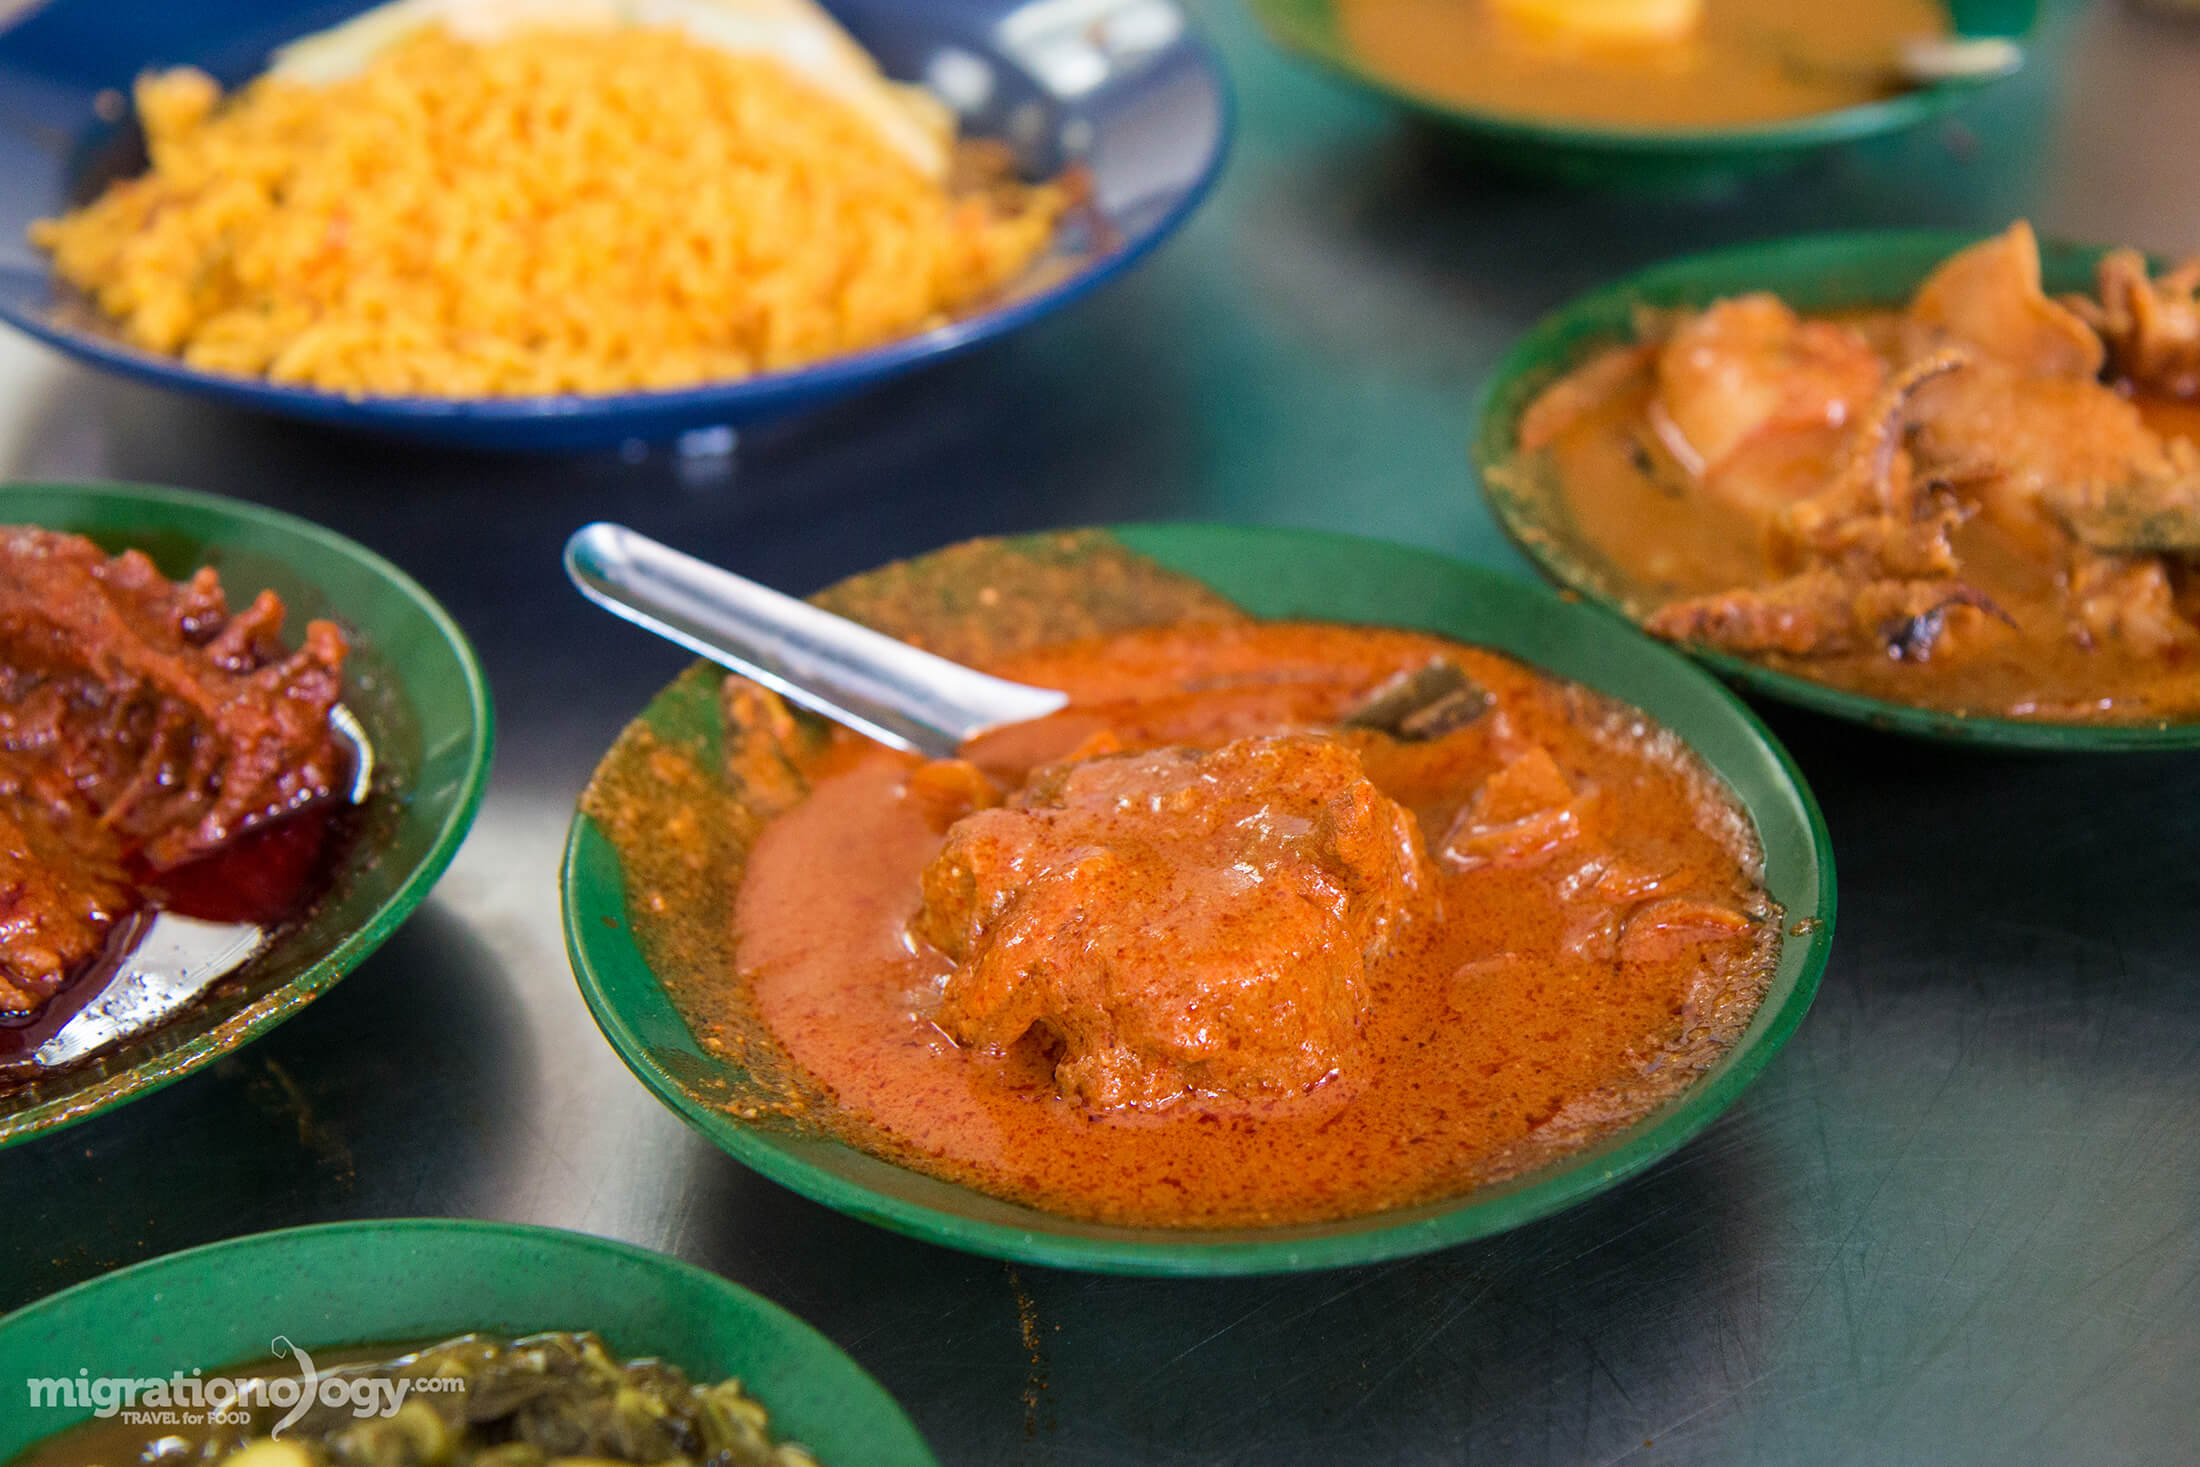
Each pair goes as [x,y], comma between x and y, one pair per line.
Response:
[549,1400]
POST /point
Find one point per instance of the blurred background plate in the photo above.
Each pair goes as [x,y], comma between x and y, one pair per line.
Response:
[413,682]
[409,1281]
[1824,272]
[1124,87]
[1277,573]
[1644,158]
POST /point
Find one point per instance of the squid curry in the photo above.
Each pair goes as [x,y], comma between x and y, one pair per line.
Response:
[1985,501]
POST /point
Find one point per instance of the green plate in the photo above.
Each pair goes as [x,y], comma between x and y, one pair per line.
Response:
[1280,573]
[365,1283]
[1812,272]
[1590,153]
[413,682]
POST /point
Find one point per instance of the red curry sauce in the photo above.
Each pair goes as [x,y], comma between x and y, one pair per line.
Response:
[1584,929]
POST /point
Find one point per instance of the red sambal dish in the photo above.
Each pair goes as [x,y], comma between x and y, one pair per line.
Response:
[150,739]
[1275,922]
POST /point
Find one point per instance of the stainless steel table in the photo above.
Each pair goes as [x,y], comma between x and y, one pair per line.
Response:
[1958,1221]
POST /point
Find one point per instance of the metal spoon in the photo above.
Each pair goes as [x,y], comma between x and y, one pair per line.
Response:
[1921,61]
[177,958]
[902,696]
[1926,61]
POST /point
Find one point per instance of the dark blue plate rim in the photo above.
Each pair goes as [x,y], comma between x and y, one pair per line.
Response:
[744,396]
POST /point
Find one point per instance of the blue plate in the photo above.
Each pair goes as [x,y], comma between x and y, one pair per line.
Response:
[1124,87]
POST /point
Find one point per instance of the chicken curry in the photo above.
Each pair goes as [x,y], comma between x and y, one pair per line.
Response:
[1986,501]
[1275,922]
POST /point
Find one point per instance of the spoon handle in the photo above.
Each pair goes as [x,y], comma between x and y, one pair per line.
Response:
[1935,60]
[893,692]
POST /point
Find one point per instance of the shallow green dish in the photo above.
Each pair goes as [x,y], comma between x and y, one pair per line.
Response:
[413,682]
[1590,153]
[1813,272]
[1274,573]
[365,1283]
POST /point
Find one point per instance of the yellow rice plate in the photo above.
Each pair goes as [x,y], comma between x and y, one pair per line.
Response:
[555,211]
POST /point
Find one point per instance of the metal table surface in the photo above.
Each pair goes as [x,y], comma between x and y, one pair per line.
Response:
[1957,1221]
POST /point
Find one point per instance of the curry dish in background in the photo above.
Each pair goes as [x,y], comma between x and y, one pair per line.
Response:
[1986,501]
[1274,923]
[1647,64]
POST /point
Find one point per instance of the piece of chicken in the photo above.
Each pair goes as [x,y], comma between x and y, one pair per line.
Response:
[1523,815]
[1174,922]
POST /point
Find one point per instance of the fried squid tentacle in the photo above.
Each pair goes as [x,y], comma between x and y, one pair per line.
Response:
[1822,613]
[2151,326]
[1872,562]
[1877,517]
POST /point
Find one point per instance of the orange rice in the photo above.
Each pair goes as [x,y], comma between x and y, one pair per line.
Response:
[551,212]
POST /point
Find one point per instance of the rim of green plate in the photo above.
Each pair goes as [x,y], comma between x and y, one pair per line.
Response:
[814,1391]
[1306,29]
[167,509]
[1280,572]
[1817,271]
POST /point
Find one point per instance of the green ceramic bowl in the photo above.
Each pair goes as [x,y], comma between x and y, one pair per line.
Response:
[1648,158]
[1280,573]
[365,1283]
[1813,272]
[411,679]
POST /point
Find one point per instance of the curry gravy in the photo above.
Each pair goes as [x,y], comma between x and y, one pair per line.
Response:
[1523,1008]
[1734,67]
[1660,539]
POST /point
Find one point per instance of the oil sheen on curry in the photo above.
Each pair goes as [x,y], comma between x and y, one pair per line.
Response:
[1275,922]
[1985,501]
